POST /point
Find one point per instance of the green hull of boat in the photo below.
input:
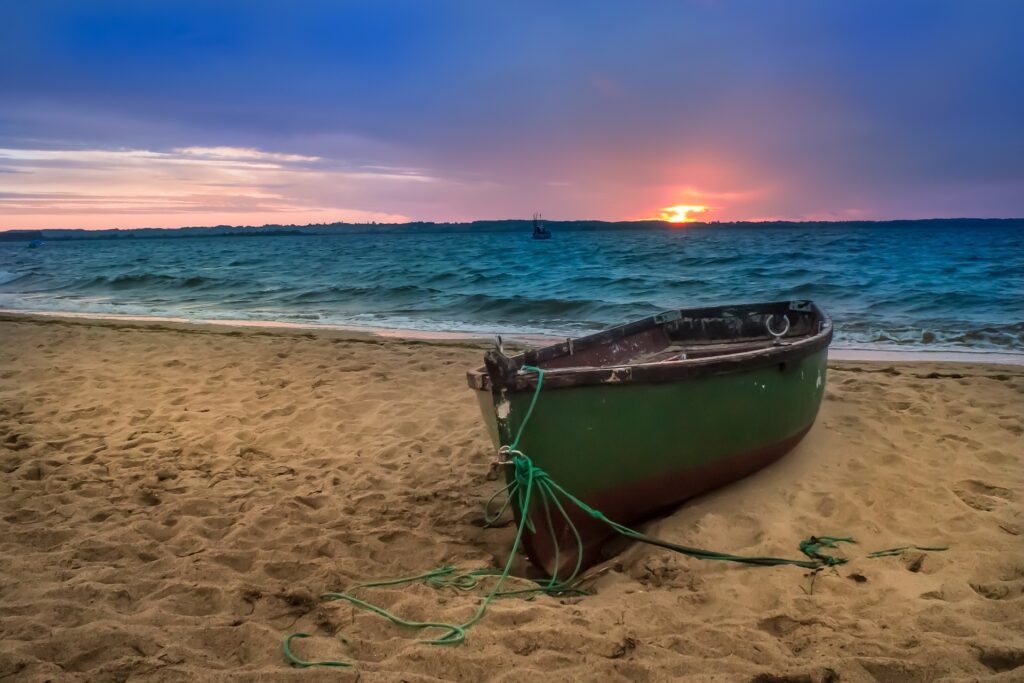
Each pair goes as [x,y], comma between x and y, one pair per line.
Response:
[582,437]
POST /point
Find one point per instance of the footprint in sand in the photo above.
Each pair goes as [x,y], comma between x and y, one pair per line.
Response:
[981,496]
[781,625]
[999,590]
[1001,658]
[1006,584]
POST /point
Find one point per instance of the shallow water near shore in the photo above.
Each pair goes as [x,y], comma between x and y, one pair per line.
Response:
[928,287]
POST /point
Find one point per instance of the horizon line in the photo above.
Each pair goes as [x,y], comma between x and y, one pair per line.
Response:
[669,224]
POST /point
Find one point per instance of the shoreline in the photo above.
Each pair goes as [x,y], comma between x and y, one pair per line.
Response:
[837,353]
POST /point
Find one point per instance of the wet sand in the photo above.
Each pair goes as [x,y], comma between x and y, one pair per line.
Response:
[175,496]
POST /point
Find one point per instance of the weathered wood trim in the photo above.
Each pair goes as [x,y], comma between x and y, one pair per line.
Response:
[794,348]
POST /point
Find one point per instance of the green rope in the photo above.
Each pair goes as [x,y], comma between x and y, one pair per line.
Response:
[286,646]
[453,633]
[899,551]
[551,491]
[811,547]
[533,402]
[527,481]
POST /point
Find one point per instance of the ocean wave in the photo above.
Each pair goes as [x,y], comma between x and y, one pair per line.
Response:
[234,263]
[129,281]
[607,281]
[533,308]
[380,293]
[816,290]
[493,278]
[1009,336]
[7,276]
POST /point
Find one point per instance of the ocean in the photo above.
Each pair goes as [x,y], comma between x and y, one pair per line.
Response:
[937,287]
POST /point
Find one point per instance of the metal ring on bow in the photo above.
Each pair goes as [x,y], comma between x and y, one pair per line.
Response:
[777,336]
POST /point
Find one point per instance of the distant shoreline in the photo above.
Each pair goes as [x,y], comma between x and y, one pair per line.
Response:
[836,352]
[495,226]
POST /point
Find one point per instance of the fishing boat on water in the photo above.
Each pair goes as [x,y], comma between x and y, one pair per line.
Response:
[539,231]
[638,418]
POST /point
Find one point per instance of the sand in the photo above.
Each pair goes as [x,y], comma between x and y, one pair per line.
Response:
[175,497]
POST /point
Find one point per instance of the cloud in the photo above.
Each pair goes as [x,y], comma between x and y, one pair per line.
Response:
[240,153]
[186,186]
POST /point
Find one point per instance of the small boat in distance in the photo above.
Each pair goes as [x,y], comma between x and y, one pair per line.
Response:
[539,231]
[638,418]
[35,244]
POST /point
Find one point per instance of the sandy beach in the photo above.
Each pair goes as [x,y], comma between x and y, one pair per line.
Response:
[175,497]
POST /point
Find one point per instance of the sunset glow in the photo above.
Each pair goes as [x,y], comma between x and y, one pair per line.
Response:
[683,213]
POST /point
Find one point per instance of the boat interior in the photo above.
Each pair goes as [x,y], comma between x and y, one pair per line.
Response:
[687,334]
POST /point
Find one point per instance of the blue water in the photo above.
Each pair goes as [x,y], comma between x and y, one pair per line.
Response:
[930,287]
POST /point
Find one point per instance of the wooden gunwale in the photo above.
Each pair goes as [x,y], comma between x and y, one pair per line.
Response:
[664,371]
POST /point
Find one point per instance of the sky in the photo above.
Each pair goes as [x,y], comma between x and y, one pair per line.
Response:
[164,114]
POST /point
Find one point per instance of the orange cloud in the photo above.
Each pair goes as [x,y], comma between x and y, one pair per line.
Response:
[186,186]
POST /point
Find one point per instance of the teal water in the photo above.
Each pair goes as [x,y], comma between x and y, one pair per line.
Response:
[928,287]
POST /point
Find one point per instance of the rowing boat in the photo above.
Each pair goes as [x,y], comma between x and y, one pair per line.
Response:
[640,417]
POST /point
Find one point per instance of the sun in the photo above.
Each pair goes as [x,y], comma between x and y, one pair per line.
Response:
[682,213]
